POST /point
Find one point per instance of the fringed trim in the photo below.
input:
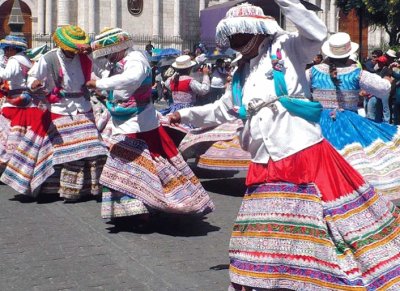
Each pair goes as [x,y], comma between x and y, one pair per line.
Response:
[250,25]
[113,49]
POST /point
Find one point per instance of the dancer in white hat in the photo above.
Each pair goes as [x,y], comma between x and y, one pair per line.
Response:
[308,220]
[371,148]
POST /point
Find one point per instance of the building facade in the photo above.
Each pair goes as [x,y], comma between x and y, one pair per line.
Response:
[168,23]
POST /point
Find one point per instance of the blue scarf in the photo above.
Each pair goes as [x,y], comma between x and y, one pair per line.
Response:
[310,111]
[237,94]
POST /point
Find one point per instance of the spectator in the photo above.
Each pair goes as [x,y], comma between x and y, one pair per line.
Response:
[149,48]
[317,60]
[218,80]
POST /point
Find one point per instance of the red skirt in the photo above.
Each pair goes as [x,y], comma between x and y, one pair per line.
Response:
[158,141]
[320,164]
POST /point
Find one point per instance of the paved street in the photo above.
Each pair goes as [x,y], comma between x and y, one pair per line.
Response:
[52,245]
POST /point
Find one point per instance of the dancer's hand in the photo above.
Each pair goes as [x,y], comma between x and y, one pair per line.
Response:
[174,118]
[91,84]
[36,85]
[85,49]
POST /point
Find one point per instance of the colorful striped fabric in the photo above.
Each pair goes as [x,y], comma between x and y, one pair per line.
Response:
[166,184]
[68,139]
[14,122]
[216,148]
[373,149]
[285,236]
[116,204]
[225,155]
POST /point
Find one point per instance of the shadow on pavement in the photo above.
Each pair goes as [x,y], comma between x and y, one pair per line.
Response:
[42,199]
[220,267]
[49,198]
[210,174]
[167,224]
[231,187]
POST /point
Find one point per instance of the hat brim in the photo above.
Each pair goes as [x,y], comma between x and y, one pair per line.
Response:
[327,51]
[391,55]
[101,52]
[176,66]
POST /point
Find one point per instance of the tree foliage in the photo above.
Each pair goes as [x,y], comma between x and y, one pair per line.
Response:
[382,13]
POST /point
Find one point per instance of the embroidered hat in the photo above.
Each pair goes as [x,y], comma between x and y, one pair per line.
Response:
[70,38]
[17,42]
[391,53]
[183,62]
[111,40]
[245,18]
[339,46]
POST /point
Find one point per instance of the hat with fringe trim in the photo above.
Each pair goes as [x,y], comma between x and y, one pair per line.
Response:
[245,18]
[13,41]
[111,40]
[70,38]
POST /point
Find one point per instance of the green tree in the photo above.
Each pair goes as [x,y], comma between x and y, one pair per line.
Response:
[379,13]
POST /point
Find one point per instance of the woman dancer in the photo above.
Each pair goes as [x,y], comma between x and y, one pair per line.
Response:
[308,220]
[63,151]
[19,109]
[144,170]
[372,148]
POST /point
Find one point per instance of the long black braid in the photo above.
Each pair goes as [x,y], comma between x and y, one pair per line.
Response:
[333,72]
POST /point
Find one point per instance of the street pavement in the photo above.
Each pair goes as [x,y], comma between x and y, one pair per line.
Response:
[52,245]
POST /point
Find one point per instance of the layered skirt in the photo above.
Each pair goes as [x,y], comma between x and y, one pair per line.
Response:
[217,148]
[372,148]
[64,148]
[145,172]
[310,222]
[14,122]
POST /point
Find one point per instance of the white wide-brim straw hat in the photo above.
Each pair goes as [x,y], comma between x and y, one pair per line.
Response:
[339,46]
[183,62]
[391,53]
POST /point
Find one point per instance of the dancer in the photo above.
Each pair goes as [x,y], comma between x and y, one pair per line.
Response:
[217,148]
[372,148]
[185,89]
[63,151]
[19,108]
[144,170]
[308,220]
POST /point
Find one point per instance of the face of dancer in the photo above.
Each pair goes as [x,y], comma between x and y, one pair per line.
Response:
[10,51]
[116,57]
[68,54]
[246,44]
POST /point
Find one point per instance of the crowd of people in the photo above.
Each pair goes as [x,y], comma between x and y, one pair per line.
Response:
[318,212]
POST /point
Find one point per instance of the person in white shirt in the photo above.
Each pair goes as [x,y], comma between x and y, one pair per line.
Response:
[19,107]
[218,80]
[63,152]
[144,171]
[308,220]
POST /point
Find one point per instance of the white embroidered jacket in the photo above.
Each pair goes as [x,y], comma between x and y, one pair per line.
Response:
[274,134]
[15,75]
[124,85]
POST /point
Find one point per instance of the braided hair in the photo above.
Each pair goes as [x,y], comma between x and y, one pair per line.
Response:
[333,73]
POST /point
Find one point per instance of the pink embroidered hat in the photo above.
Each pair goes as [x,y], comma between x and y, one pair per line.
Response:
[339,46]
[245,18]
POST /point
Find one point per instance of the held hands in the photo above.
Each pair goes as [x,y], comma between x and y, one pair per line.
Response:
[36,85]
[174,119]
[206,70]
[85,49]
[91,84]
